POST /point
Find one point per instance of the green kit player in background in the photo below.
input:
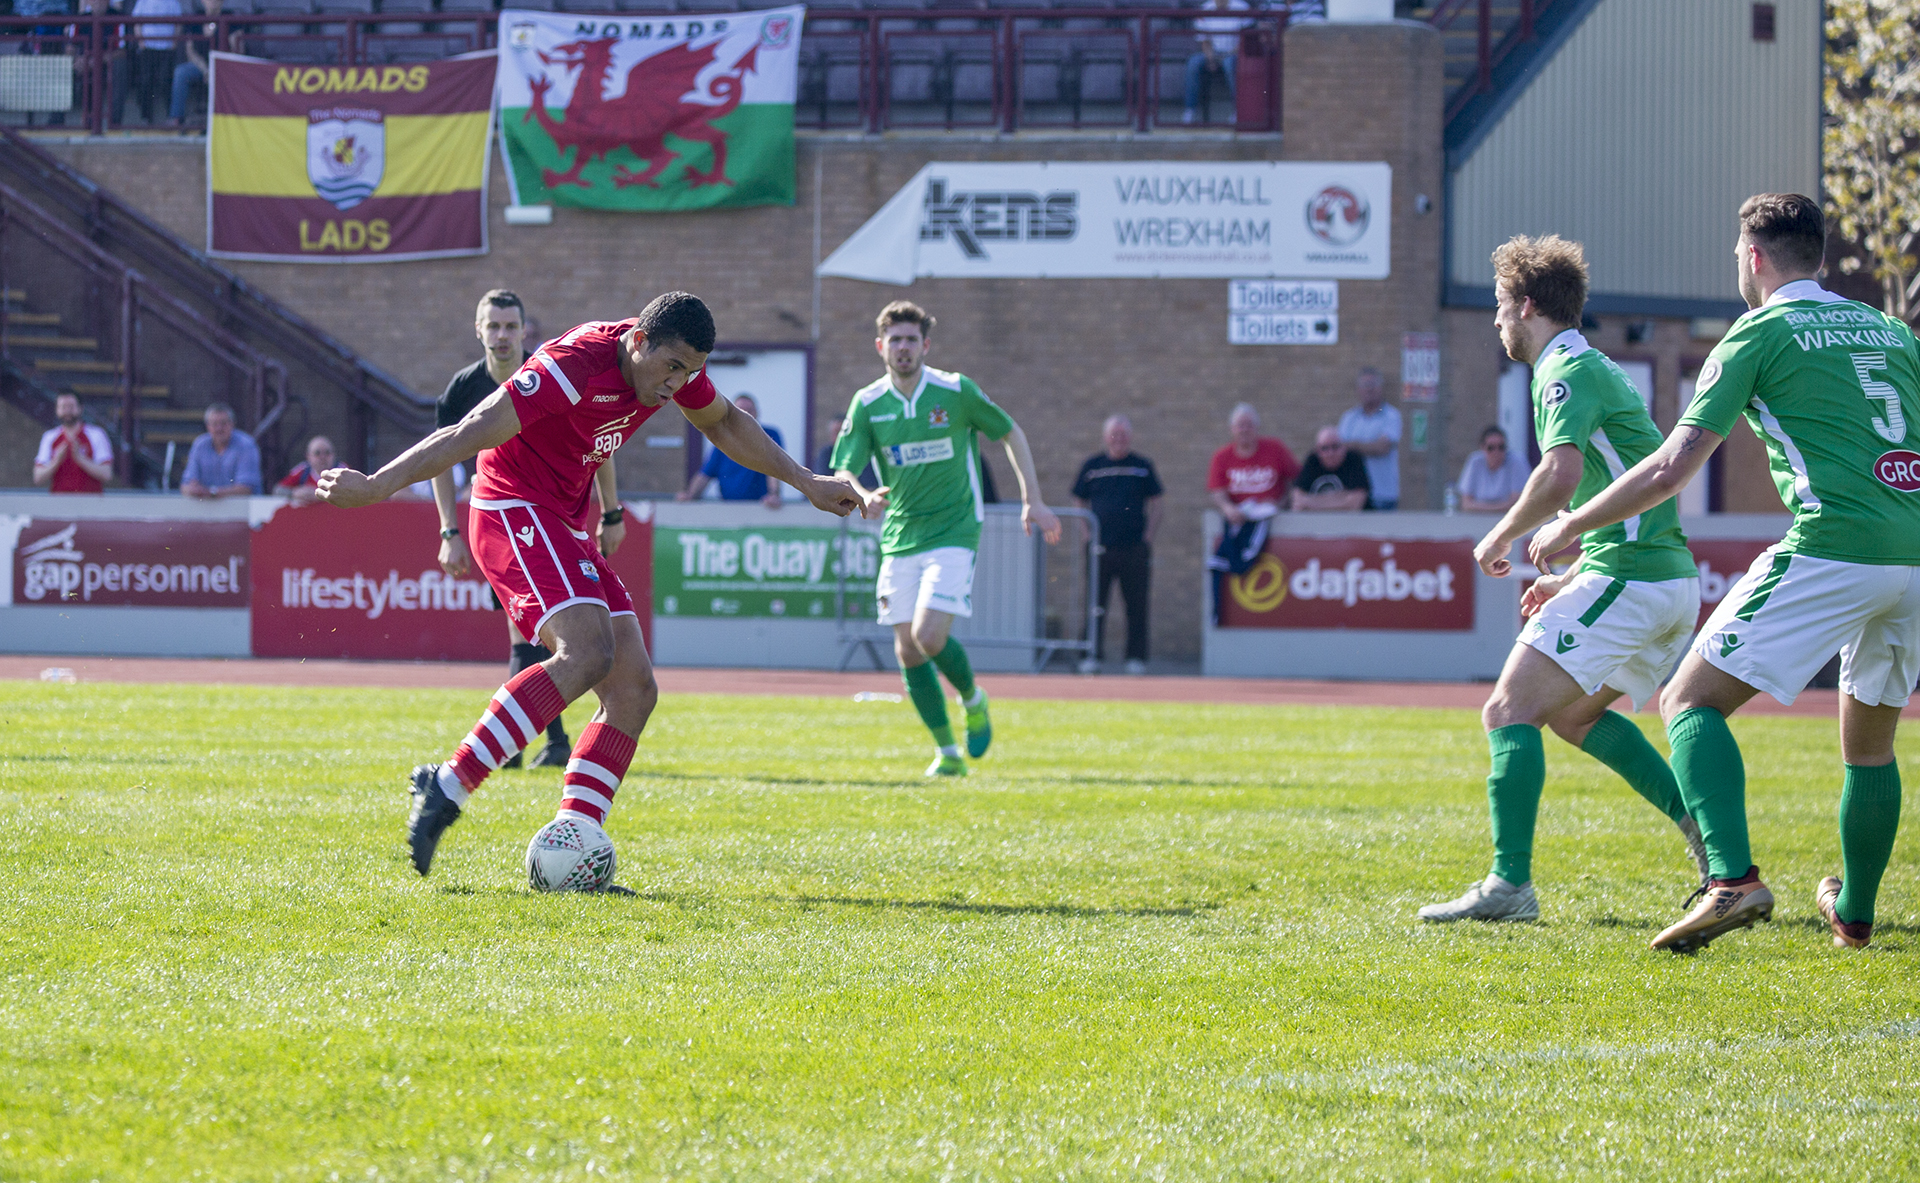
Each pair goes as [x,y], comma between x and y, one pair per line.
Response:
[1832,387]
[1616,622]
[917,425]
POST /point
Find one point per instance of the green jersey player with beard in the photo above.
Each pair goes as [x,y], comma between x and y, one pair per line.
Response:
[1832,387]
[917,424]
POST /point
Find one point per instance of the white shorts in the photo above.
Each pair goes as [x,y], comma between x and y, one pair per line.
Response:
[1624,634]
[1790,613]
[941,579]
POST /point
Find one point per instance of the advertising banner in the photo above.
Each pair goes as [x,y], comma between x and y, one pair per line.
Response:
[366,583]
[667,111]
[344,164]
[762,572]
[97,563]
[1156,218]
[1365,583]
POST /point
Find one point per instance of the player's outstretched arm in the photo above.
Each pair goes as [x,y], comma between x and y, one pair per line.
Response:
[742,438]
[1033,511]
[488,425]
[1546,493]
[1655,479]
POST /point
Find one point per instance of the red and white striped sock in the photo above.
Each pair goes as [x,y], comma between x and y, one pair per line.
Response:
[599,762]
[519,711]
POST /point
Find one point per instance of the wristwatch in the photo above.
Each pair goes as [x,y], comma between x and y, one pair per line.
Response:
[450,532]
[613,517]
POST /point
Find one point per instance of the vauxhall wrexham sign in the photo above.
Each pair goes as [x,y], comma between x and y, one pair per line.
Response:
[1226,219]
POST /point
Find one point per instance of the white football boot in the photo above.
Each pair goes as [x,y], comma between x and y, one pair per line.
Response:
[1493,898]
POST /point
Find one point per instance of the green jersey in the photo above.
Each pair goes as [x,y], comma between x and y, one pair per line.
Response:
[1581,398]
[1832,387]
[924,445]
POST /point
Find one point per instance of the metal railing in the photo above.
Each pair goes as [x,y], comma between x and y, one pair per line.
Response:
[217,294]
[1496,31]
[1021,598]
[136,300]
[860,70]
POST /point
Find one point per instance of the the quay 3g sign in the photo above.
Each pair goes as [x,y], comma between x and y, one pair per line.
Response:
[1144,219]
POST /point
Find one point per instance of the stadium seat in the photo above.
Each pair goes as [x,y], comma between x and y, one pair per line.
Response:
[585,6]
[471,6]
[650,7]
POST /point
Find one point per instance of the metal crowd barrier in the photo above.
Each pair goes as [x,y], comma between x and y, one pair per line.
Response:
[1027,596]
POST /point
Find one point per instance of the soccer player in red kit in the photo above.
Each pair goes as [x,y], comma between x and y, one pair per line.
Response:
[540,438]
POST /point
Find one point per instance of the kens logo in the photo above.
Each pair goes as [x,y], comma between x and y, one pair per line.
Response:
[1899,470]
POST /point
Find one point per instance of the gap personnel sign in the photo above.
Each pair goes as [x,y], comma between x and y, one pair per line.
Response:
[1131,218]
[95,563]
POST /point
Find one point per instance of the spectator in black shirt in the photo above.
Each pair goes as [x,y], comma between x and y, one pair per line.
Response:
[1334,476]
[1121,488]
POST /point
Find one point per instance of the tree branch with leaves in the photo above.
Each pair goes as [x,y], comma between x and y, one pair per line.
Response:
[1871,143]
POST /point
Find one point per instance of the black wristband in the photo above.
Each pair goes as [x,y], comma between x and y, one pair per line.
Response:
[613,517]
[450,532]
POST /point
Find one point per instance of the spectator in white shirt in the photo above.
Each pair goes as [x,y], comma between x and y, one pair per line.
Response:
[1373,430]
[1491,479]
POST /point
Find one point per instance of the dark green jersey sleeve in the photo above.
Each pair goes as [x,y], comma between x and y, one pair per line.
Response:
[983,412]
[1728,379]
[854,447]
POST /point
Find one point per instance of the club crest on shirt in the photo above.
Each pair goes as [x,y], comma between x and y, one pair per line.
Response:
[526,381]
[587,569]
[937,417]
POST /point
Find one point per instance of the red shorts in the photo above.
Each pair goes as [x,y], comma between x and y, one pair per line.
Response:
[538,564]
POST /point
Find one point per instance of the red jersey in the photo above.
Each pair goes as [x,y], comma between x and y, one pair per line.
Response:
[90,442]
[575,411]
[1263,476]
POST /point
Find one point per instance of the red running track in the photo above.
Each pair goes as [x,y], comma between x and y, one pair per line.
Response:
[817,683]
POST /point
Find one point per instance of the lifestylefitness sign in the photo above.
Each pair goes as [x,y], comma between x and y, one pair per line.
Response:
[781,571]
[1164,219]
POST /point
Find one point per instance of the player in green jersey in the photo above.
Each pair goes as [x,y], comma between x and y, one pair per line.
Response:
[1615,622]
[917,424]
[1833,389]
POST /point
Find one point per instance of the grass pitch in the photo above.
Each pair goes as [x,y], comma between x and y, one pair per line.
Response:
[1141,941]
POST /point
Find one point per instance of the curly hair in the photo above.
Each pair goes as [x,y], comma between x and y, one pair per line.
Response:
[1549,270]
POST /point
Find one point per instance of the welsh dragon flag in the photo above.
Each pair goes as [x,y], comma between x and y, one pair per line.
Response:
[675,112]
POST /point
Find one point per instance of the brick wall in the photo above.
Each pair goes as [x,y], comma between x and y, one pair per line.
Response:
[1059,354]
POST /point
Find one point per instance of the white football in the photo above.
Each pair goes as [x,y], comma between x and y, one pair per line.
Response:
[570,854]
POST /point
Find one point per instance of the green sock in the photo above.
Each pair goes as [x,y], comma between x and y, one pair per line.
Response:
[1513,798]
[1713,782]
[952,660]
[1869,816]
[923,687]
[1617,743]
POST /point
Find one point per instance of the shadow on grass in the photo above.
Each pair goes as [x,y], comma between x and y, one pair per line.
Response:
[966,908]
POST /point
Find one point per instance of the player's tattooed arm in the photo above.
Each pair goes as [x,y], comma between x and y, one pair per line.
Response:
[1660,476]
[488,425]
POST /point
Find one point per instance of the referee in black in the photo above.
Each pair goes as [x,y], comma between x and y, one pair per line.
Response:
[501,324]
[1121,488]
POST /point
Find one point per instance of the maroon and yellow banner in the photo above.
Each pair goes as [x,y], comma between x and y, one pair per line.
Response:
[348,164]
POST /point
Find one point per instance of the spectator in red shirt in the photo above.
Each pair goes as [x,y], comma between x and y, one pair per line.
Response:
[301,486]
[74,457]
[1247,482]
[1249,477]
